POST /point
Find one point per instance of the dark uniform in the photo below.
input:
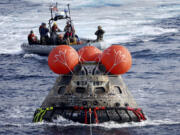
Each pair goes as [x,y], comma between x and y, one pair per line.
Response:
[44,34]
[100,32]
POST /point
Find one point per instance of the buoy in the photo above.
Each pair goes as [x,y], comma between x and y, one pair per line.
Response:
[63,59]
[117,59]
[89,53]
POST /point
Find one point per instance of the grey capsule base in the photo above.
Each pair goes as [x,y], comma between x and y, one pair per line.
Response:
[90,95]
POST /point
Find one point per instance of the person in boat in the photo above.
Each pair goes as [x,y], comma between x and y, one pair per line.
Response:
[32,38]
[54,35]
[60,40]
[40,29]
[70,35]
[69,27]
[55,28]
[70,38]
[99,33]
[43,30]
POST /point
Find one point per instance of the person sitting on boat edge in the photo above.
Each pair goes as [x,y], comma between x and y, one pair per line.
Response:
[32,39]
[68,36]
[71,38]
[99,33]
[54,35]
[43,30]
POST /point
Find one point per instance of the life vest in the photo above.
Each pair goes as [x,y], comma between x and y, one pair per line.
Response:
[69,34]
[32,37]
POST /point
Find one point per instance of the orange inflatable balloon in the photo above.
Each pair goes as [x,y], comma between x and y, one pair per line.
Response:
[97,57]
[63,59]
[89,53]
[117,59]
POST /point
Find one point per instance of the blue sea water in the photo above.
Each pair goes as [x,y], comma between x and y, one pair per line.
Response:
[150,29]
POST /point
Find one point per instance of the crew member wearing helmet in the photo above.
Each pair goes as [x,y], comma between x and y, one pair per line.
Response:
[54,35]
[55,28]
[99,33]
[32,39]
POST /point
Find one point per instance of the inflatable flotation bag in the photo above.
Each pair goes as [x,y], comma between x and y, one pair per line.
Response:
[117,59]
[89,53]
[63,59]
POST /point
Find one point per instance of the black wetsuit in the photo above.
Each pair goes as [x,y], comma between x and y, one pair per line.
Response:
[99,34]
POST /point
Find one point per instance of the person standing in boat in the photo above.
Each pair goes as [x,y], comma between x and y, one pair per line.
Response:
[99,33]
[55,28]
[43,30]
[54,35]
[40,29]
[32,39]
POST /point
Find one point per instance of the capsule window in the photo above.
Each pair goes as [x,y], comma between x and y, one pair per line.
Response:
[80,90]
[61,90]
[78,83]
[99,90]
[118,89]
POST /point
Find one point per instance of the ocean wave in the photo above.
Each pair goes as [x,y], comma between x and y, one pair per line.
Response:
[150,54]
[38,57]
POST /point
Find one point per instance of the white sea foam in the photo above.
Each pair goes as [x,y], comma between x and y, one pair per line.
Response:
[123,23]
[35,56]
[108,125]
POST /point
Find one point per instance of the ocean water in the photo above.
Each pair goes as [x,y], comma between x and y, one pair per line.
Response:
[150,29]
